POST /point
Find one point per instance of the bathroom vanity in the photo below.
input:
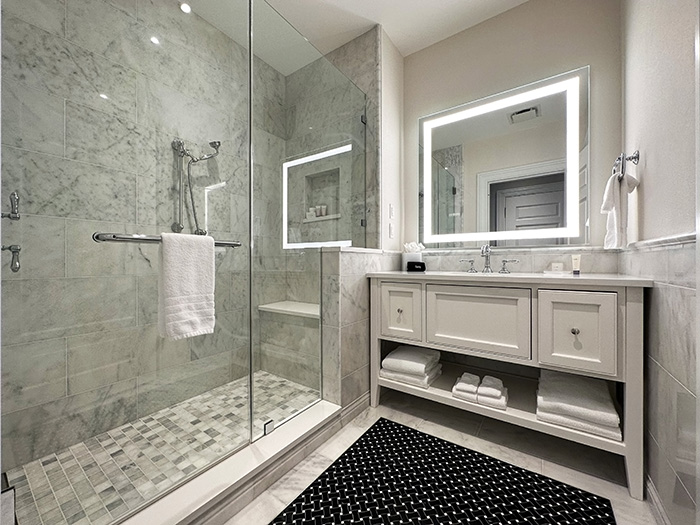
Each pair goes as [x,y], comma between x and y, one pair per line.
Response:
[512,325]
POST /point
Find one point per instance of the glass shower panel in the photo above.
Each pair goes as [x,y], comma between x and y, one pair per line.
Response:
[308,154]
[99,413]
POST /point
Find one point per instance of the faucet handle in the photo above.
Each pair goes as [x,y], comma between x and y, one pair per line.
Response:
[471,267]
[13,214]
[506,261]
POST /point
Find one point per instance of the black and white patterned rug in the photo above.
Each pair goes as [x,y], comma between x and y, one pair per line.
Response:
[394,474]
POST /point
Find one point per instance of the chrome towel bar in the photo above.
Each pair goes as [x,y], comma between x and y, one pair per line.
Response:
[151,239]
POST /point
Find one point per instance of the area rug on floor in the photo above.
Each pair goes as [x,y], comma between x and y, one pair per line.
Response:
[395,474]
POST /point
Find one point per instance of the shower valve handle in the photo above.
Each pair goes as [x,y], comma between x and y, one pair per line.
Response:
[15,249]
[13,215]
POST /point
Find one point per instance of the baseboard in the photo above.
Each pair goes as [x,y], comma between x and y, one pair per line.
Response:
[224,508]
[657,508]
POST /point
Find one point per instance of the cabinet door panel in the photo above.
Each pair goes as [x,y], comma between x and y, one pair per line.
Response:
[402,314]
[494,320]
[578,330]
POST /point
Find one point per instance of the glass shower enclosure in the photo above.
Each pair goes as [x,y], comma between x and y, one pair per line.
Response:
[101,415]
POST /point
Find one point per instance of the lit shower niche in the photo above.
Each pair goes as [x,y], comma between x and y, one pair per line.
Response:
[315,196]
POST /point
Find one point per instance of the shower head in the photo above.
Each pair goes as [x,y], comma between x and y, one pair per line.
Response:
[214,144]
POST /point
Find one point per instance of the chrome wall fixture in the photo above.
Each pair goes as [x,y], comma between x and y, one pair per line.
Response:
[13,214]
[148,239]
[179,146]
[620,164]
[15,249]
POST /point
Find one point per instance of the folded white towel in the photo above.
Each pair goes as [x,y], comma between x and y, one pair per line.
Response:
[576,396]
[615,205]
[422,381]
[467,383]
[186,286]
[411,360]
[494,402]
[466,396]
[580,424]
[491,387]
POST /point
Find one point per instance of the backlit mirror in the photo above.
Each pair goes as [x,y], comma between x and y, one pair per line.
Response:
[511,168]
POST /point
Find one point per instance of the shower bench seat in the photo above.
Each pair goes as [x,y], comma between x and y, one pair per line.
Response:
[511,326]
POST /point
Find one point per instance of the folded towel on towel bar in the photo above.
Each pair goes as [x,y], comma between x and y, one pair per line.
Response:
[411,360]
[579,424]
[575,396]
[422,381]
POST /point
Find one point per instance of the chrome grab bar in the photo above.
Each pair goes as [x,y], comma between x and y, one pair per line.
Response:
[152,239]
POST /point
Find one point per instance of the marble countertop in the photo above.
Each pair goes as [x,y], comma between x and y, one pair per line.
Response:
[590,279]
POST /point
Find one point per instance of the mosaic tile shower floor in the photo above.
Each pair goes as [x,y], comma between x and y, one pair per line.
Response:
[104,478]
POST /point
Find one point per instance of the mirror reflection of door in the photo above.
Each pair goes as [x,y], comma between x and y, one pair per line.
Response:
[532,203]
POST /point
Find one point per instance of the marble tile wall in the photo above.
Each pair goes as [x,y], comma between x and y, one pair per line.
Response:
[80,351]
[671,394]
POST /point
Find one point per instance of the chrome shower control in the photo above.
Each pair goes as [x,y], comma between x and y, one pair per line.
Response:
[13,215]
[15,249]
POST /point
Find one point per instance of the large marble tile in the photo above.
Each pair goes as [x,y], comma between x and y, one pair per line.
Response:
[85,257]
[33,373]
[285,362]
[671,419]
[354,345]
[262,509]
[289,486]
[359,61]
[63,188]
[354,298]
[303,287]
[230,331]
[269,83]
[330,300]
[35,58]
[177,383]
[106,140]
[165,108]
[154,353]
[100,359]
[298,333]
[315,78]
[269,150]
[676,501]
[671,310]
[40,309]
[681,265]
[37,431]
[354,385]
[49,15]
[32,119]
[42,240]
[331,363]
[337,105]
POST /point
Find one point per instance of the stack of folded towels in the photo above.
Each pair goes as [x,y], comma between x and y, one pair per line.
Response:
[577,402]
[412,365]
[490,392]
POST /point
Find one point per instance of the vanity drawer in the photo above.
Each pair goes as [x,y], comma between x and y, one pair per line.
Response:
[578,330]
[495,320]
[401,310]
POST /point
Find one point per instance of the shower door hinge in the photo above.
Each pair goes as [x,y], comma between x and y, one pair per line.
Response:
[363,222]
[268,426]
[363,119]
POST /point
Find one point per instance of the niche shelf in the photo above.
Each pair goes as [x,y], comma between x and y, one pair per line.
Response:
[324,218]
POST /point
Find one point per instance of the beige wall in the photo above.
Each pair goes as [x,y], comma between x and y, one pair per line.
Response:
[659,117]
[510,50]
[391,133]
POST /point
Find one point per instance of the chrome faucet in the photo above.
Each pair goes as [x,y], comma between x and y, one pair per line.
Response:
[486,254]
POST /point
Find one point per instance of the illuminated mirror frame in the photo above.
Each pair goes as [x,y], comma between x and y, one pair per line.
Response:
[571,87]
[286,245]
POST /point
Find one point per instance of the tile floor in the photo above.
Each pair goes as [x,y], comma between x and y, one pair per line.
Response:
[596,471]
[106,477]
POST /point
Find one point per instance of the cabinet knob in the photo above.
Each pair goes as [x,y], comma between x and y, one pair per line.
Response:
[575,331]
[400,310]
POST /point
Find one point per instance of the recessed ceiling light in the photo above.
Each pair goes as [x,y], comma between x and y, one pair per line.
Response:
[102,95]
[185,7]
[155,40]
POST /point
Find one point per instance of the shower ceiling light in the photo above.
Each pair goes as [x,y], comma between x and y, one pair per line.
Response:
[155,40]
[185,7]
[102,95]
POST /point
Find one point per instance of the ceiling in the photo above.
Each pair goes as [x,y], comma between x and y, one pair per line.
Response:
[411,25]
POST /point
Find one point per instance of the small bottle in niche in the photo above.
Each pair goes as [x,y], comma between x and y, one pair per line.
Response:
[324,210]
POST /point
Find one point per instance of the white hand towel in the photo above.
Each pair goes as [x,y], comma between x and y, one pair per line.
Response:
[576,396]
[411,360]
[494,402]
[491,387]
[467,383]
[466,396]
[579,424]
[186,286]
[615,205]
[423,381]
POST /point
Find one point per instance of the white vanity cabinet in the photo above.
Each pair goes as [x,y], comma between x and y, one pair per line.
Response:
[589,325]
